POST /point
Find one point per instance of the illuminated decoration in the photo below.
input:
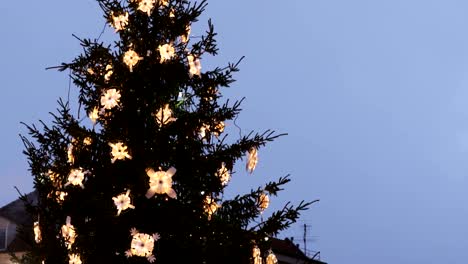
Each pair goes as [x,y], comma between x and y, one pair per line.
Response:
[87,141]
[203,130]
[166,52]
[61,196]
[210,206]
[164,2]
[94,115]
[161,182]
[256,255]
[119,152]
[123,202]
[76,178]
[263,202]
[131,58]
[172,13]
[54,178]
[164,115]
[195,65]
[218,129]
[252,160]
[70,156]
[37,232]
[110,99]
[109,72]
[146,6]
[120,22]
[74,259]
[142,245]
[271,258]
[223,174]
[185,38]
[90,71]
[68,233]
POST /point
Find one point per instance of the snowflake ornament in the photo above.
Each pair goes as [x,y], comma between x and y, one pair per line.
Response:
[271,258]
[164,115]
[68,233]
[37,232]
[110,99]
[131,58]
[161,182]
[252,160]
[119,152]
[74,259]
[194,65]
[76,178]
[166,52]
[223,174]
[210,206]
[123,202]
[263,202]
[120,22]
[142,245]
[146,6]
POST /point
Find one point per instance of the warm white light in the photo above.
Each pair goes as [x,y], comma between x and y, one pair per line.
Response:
[37,233]
[223,174]
[120,22]
[252,160]
[263,202]
[74,259]
[164,115]
[210,206]
[142,245]
[123,202]
[76,178]
[256,255]
[131,58]
[194,65]
[185,38]
[161,182]
[110,99]
[166,52]
[119,152]
[146,6]
[68,233]
[94,115]
[271,259]
[109,72]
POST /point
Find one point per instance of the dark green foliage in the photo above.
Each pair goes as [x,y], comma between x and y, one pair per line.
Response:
[188,235]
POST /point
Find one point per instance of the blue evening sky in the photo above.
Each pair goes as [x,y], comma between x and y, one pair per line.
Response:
[372,93]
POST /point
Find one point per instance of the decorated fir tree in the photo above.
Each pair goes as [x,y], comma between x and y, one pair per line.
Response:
[141,177]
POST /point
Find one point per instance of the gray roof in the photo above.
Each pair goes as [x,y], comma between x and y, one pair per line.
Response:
[16,211]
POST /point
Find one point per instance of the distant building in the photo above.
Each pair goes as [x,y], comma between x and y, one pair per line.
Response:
[14,214]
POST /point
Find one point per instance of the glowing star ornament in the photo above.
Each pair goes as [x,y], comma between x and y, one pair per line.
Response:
[256,255]
[110,99]
[120,22]
[194,65]
[76,178]
[223,174]
[94,115]
[119,152]
[263,202]
[210,206]
[164,115]
[37,233]
[271,258]
[146,6]
[142,245]
[131,58]
[166,52]
[68,233]
[160,182]
[123,202]
[74,259]
[252,160]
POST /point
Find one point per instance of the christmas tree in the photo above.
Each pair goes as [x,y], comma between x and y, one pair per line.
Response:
[140,176]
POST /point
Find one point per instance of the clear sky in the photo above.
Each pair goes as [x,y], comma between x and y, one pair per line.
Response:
[372,93]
